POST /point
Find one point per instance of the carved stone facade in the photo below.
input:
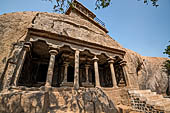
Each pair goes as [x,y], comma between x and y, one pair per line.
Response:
[62,62]
[54,54]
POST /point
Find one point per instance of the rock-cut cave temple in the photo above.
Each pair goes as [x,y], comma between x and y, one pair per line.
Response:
[68,63]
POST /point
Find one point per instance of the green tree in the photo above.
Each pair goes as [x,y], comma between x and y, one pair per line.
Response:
[62,4]
[167,67]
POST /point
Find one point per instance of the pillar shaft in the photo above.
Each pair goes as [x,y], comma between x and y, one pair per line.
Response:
[87,72]
[65,72]
[96,70]
[49,78]
[123,64]
[26,49]
[111,61]
[113,75]
[76,70]
[20,67]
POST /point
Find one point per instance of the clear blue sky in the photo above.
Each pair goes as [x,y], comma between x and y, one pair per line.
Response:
[136,26]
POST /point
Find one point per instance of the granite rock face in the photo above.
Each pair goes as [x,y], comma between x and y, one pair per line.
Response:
[148,71]
[13,27]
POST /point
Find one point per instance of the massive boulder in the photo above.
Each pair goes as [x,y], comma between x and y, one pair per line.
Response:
[147,72]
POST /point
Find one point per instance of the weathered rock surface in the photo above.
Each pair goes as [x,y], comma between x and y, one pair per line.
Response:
[13,26]
[73,27]
[59,101]
[148,71]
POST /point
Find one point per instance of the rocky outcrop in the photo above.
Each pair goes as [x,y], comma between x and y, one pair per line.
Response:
[148,71]
[13,26]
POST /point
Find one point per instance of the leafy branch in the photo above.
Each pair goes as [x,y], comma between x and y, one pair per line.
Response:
[166,67]
[167,62]
[61,5]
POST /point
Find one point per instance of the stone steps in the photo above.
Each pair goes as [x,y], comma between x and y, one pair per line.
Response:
[156,101]
[117,95]
[147,101]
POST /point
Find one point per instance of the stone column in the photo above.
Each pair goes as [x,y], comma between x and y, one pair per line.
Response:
[49,78]
[111,61]
[87,72]
[96,70]
[26,49]
[123,64]
[66,64]
[76,70]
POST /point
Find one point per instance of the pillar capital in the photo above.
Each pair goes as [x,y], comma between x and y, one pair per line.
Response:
[95,58]
[66,64]
[53,52]
[111,60]
[123,63]
[28,43]
[87,65]
[27,46]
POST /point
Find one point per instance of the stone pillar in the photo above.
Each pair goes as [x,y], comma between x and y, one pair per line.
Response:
[123,64]
[111,61]
[26,49]
[49,78]
[66,64]
[76,70]
[96,70]
[87,72]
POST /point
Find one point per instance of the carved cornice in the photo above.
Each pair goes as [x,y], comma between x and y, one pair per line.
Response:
[61,40]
